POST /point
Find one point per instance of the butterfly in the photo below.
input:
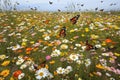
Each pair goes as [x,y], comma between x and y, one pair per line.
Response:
[62,32]
[101,1]
[82,4]
[50,2]
[31,8]
[89,46]
[74,19]
[96,9]
[46,21]
[35,66]
[114,4]
[42,65]
[35,8]
[14,8]
[59,10]
[101,10]
[17,3]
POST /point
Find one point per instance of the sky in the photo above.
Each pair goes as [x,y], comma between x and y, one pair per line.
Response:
[67,5]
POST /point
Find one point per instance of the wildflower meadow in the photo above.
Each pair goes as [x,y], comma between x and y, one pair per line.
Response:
[51,46]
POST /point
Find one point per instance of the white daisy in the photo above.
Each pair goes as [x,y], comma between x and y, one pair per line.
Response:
[21,76]
[32,68]
[69,68]
[87,62]
[73,57]
[2,57]
[50,75]
[41,30]
[65,41]
[79,62]
[56,27]
[98,46]
[78,45]
[83,48]
[23,66]
[42,73]
[47,38]
[103,62]
[60,70]
[24,40]
[55,53]
[16,47]
[20,61]
[64,46]
[66,71]
[112,78]
[107,74]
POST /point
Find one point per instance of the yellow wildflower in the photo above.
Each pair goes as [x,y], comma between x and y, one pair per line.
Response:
[86,30]
[103,43]
[11,78]
[79,79]
[72,31]
[5,63]
[5,73]
[23,44]
[117,54]
[52,62]
[46,66]
[82,35]
[32,42]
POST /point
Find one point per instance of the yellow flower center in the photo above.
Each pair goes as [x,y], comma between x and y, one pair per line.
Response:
[60,71]
[73,57]
[41,73]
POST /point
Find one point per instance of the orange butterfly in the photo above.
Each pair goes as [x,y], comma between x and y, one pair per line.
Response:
[74,19]
[62,32]
[90,47]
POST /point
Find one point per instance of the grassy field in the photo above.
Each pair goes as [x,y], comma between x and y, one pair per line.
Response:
[31,48]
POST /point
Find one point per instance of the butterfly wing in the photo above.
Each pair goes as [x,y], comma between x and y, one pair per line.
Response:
[74,19]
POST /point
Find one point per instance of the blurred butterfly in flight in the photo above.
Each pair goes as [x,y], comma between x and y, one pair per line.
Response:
[42,65]
[59,10]
[50,2]
[101,1]
[101,10]
[90,47]
[82,4]
[96,9]
[74,19]
[62,32]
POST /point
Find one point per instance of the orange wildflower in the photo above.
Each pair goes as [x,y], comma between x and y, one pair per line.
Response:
[99,66]
[108,40]
[55,73]
[40,41]
[35,48]
[17,73]
[46,21]
[28,49]
[19,51]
